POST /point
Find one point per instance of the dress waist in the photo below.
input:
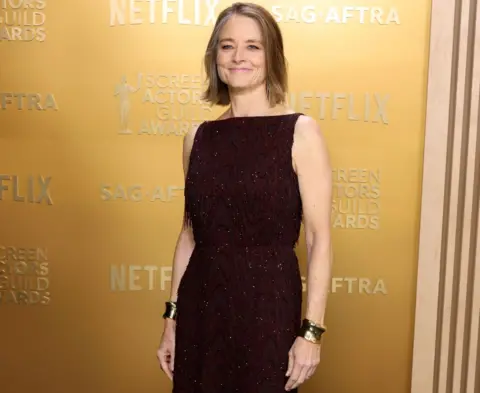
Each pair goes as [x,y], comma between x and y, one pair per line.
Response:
[243,245]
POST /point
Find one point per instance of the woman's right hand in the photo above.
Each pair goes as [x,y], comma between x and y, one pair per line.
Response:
[166,349]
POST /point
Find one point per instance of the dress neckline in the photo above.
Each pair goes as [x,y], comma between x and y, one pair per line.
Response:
[254,117]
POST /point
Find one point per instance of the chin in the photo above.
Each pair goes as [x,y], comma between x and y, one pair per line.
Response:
[241,86]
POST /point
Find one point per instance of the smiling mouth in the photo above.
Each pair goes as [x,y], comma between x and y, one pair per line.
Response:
[239,69]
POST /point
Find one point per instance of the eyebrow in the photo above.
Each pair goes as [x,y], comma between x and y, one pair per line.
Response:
[251,40]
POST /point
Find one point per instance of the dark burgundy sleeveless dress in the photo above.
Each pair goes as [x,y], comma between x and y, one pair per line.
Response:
[239,300]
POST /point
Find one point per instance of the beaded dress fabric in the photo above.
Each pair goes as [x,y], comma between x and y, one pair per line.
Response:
[239,300]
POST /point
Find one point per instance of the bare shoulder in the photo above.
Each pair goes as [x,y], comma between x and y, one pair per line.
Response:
[308,135]
[287,110]
[309,150]
[223,116]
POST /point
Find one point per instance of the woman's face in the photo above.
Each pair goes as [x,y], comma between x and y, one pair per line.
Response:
[241,54]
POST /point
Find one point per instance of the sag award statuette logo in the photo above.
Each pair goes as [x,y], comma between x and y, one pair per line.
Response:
[123,90]
[166,104]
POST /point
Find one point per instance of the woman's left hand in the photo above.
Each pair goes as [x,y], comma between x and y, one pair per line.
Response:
[303,359]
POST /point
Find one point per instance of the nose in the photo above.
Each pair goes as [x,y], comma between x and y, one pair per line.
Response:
[238,55]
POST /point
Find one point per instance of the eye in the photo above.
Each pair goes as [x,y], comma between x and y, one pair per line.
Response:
[226,46]
[254,47]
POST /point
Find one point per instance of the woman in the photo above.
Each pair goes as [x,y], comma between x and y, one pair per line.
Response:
[234,320]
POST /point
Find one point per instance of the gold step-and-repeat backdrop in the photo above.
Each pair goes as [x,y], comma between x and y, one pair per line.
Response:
[95,97]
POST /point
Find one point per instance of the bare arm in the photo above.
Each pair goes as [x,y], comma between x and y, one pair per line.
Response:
[185,241]
[312,165]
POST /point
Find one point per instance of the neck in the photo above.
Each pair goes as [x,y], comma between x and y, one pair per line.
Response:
[250,103]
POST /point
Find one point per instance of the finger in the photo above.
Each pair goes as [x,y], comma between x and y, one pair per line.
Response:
[168,372]
[311,371]
[294,377]
[290,363]
[172,360]
[164,365]
[159,357]
[302,377]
